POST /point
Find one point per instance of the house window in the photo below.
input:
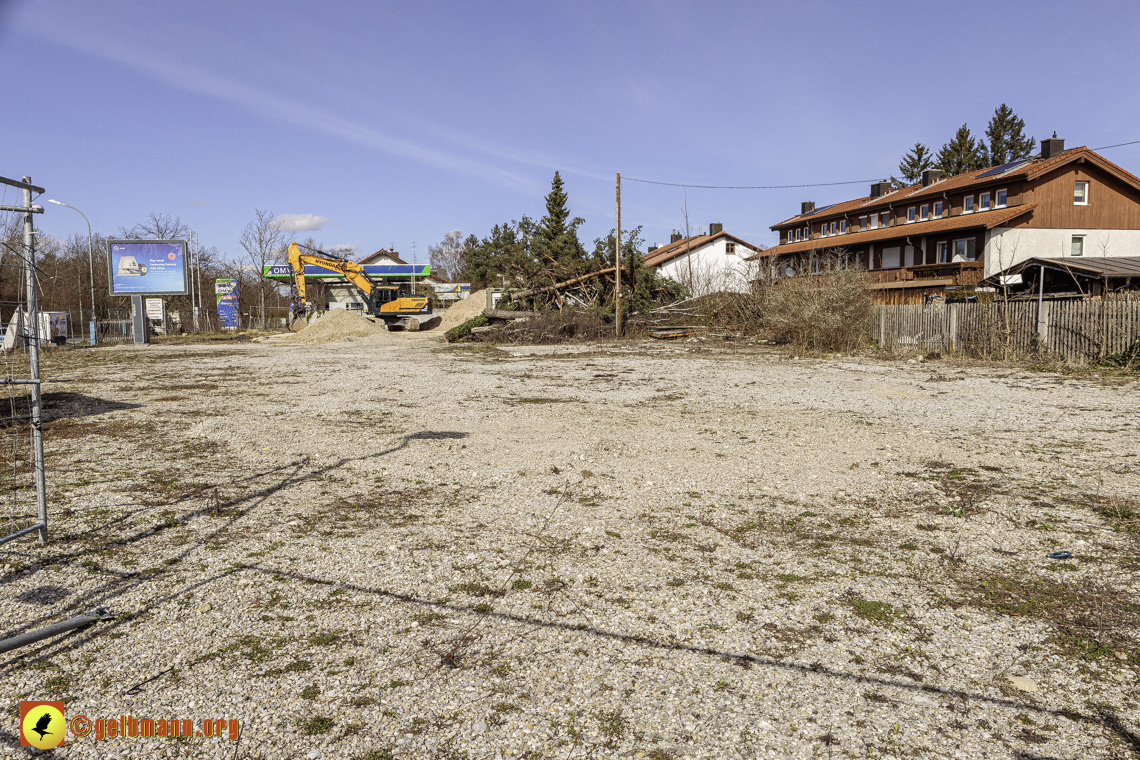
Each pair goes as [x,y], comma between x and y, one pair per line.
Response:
[843,227]
[833,228]
[924,212]
[886,219]
[984,201]
[1077,246]
[1002,197]
[910,215]
[938,210]
[797,234]
[730,248]
[968,204]
[942,254]
[1081,193]
[863,224]
[807,233]
[964,250]
[874,221]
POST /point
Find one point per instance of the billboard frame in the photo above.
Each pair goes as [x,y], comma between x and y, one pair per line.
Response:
[149,293]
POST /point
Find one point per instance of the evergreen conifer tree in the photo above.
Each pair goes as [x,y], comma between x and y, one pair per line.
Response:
[556,246]
[917,160]
[962,154]
[1008,141]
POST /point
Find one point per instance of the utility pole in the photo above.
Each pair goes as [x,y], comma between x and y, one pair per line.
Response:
[34,356]
[189,270]
[617,264]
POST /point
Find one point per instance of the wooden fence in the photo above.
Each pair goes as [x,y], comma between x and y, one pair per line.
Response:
[1076,331]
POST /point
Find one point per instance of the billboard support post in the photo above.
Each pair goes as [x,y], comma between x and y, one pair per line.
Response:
[139,325]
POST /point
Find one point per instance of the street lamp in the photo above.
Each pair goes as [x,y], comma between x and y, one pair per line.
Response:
[90,263]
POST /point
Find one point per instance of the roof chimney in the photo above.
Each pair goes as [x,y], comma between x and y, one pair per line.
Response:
[715,227]
[930,176]
[880,188]
[807,207]
[1051,146]
[674,237]
[652,248]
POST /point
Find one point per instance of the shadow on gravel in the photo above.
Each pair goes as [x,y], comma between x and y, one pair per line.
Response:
[295,473]
[57,407]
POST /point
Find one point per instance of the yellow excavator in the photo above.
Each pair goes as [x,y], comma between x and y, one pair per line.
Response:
[384,301]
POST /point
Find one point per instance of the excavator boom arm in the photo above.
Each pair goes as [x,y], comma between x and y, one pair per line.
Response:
[350,270]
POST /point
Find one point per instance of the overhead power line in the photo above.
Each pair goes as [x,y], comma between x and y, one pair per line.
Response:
[1118,145]
[790,187]
[750,187]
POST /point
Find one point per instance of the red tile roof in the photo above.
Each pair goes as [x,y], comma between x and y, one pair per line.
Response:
[986,219]
[673,250]
[382,252]
[1035,167]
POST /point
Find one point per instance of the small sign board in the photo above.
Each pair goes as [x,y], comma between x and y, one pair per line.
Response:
[147,267]
[155,309]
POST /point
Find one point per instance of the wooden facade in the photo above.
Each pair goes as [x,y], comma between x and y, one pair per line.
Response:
[902,242]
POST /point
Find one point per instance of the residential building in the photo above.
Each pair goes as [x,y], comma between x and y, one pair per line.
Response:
[382,256]
[947,234]
[705,264]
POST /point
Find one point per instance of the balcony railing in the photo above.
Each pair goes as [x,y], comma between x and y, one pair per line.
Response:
[964,273]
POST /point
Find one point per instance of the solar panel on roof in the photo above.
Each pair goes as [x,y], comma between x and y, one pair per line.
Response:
[1004,168]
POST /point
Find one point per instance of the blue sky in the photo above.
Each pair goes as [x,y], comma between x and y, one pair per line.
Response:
[392,123]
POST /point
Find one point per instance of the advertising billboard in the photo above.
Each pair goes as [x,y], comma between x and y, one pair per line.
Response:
[147,267]
[229,311]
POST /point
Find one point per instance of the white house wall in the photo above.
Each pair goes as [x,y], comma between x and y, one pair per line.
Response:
[1006,246]
[708,269]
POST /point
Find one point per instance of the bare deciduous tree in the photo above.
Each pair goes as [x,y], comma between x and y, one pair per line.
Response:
[264,244]
[157,227]
[448,258]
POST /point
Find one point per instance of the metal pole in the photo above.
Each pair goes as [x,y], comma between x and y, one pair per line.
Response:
[31,637]
[190,273]
[188,270]
[617,264]
[198,277]
[34,357]
[91,269]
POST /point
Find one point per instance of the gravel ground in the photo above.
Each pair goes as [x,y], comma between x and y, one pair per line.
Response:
[390,547]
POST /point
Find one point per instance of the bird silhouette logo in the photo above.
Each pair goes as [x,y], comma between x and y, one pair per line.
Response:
[42,724]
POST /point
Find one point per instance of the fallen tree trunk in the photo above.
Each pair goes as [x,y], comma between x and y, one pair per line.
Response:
[505,314]
[556,286]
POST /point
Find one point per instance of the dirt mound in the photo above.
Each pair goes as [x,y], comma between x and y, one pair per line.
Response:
[337,324]
[469,308]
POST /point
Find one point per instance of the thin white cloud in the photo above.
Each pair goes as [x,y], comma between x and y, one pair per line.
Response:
[300,222]
[268,104]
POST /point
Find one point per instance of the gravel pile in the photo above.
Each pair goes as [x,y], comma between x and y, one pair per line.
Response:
[644,551]
[336,325]
[461,311]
